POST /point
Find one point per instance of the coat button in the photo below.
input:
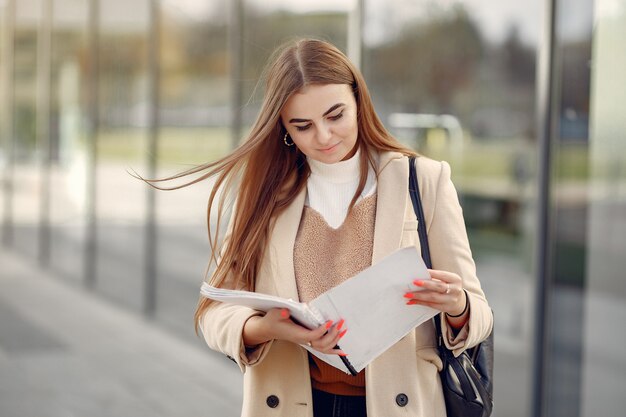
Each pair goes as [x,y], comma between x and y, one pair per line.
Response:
[272,401]
[402,400]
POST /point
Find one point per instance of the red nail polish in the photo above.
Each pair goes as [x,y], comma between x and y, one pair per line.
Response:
[411,302]
[340,324]
[342,354]
[408,295]
[329,323]
[342,333]
[418,282]
[284,313]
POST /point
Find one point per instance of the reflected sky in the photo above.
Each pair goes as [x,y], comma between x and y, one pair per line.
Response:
[383,20]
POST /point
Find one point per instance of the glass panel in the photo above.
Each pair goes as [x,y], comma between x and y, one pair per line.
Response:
[195,128]
[572,55]
[120,199]
[604,363]
[456,81]
[26,178]
[67,136]
[4,101]
[269,24]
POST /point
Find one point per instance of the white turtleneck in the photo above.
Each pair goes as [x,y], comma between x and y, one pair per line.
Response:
[330,188]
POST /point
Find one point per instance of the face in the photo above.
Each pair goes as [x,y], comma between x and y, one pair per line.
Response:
[321,120]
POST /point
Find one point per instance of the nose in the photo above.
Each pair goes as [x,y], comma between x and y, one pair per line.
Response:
[324,135]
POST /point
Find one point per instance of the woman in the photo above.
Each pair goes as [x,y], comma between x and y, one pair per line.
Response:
[321,194]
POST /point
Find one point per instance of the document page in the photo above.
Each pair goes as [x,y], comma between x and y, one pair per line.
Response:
[300,312]
[374,308]
[372,304]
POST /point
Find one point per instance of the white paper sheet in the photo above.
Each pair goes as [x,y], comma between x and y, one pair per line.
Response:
[372,304]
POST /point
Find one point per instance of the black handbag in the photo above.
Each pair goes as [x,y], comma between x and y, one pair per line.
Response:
[467,380]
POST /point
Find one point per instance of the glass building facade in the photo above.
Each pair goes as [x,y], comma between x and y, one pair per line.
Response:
[524,100]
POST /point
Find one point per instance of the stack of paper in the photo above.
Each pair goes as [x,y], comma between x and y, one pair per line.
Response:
[372,304]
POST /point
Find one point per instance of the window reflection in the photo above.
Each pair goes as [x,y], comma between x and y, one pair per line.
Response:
[269,24]
[603,363]
[27,196]
[454,79]
[195,127]
[67,137]
[457,82]
[4,121]
[121,143]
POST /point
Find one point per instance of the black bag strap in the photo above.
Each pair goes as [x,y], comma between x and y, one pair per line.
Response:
[419,212]
[414,191]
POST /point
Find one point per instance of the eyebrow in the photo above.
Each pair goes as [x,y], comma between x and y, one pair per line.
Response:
[333,108]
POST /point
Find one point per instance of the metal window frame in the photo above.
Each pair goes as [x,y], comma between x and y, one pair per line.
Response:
[544,284]
[93,127]
[43,118]
[8,131]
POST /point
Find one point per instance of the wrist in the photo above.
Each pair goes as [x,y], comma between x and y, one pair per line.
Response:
[465,308]
[255,332]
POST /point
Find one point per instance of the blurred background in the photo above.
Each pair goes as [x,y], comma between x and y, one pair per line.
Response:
[525,100]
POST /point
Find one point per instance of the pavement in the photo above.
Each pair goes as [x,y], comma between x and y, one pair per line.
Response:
[65,351]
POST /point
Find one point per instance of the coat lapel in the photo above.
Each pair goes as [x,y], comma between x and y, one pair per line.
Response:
[393,182]
[390,209]
[281,246]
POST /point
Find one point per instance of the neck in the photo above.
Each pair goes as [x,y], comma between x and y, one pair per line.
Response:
[340,172]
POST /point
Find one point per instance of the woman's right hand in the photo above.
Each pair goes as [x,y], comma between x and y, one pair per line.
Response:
[276,324]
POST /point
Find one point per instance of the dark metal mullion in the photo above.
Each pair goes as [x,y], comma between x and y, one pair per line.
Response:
[9,124]
[150,255]
[44,74]
[92,148]
[544,277]
[355,34]
[235,39]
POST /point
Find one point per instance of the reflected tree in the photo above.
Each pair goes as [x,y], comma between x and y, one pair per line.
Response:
[432,60]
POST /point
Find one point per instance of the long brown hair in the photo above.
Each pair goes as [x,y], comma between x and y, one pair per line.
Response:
[265,174]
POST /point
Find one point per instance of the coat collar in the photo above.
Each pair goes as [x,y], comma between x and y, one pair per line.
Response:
[282,241]
[393,185]
[390,208]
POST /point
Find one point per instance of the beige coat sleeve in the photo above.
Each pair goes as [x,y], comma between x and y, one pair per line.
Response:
[450,251]
[222,327]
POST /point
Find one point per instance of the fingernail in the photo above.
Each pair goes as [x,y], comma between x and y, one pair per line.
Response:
[342,354]
[342,333]
[408,295]
[418,282]
[284,313]
[340,324]
[329,323]
[411,302]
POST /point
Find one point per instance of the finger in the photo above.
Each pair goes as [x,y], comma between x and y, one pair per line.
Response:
[427,296]
[316,334]
[328,340]
[332,349]
[331,339]
[436,306]
[325,338]
[438,286]
[444,276]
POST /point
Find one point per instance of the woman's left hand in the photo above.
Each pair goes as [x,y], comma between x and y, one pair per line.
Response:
[443,292]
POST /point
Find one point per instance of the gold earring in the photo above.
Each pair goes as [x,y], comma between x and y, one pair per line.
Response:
[291,143]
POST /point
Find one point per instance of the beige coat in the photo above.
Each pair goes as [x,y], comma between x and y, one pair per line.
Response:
[280,369]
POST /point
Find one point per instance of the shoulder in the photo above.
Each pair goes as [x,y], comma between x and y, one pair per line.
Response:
[431,175]
[428,169]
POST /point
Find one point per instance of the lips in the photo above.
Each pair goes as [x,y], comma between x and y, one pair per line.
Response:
[330,148]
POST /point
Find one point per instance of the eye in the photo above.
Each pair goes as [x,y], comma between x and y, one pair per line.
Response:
[336,117]
[302,128]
